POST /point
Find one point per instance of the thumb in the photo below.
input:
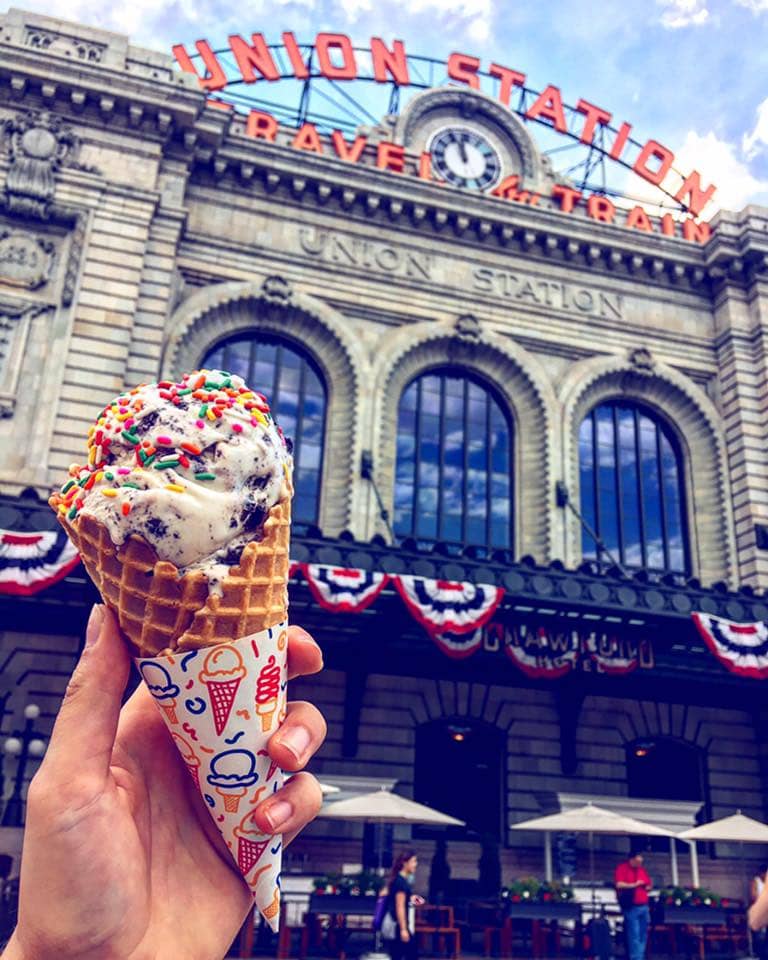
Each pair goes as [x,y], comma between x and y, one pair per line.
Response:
[84,733]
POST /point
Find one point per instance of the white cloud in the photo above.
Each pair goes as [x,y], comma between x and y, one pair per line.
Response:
[685,13]
[756,6]
[718,162]
[756,141]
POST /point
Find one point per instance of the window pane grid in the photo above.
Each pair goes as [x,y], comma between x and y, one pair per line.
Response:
[461,463]
[296,394]
[631,488]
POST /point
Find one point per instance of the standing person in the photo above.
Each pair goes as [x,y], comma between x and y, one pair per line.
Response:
[398,928]
[756,887]
[632,885]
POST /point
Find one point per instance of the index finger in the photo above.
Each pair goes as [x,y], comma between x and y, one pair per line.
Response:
[304,655]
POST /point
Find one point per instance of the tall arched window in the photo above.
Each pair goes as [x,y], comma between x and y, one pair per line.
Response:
[453,478]
[293,385]
[632,495]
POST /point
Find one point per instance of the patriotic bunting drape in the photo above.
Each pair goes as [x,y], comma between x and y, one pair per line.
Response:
[447,606]
[453,613]
[30,562]
[741,647]
[343,589]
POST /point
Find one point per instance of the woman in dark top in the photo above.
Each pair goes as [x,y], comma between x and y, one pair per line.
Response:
[397,929]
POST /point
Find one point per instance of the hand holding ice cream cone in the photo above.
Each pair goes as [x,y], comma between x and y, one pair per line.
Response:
[182,518]
[100,829]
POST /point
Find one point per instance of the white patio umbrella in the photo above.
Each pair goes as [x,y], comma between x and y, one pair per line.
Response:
[737,828]
[590,819]
[383,806]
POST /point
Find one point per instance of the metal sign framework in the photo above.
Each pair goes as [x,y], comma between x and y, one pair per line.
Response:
[331,106]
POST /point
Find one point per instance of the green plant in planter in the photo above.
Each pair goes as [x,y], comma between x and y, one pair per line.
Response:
[523,890]
[689,897]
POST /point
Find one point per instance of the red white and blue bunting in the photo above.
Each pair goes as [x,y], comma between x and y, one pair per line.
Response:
[448,606]
[456,615]
[343,589]
[30,562]
[741,647]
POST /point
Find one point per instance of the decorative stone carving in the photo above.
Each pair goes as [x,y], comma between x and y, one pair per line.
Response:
[468,327]
[38,144]
[26,260]
[641,360]
[64,45]
[277,289]
[15,318]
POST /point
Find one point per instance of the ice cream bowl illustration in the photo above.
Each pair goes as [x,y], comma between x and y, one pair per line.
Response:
[232,773]
[162,688]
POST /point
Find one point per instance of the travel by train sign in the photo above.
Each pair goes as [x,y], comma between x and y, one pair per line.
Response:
[250,71]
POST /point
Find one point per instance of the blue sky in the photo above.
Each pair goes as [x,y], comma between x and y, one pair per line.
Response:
[692,74]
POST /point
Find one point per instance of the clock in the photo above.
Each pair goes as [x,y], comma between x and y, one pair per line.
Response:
[465,158]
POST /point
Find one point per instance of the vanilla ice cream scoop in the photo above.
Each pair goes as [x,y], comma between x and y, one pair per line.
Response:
[191,467]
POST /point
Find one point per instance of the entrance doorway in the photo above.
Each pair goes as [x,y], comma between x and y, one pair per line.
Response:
[460,768]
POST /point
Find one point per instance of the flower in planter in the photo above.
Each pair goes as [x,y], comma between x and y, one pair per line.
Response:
[678,903]
[516,898]
[547,896]
[708,902]
[526,894]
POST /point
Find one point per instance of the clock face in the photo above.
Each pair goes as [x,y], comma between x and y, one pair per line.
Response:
[465,158]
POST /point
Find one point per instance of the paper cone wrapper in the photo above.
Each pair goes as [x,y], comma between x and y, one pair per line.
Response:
[221,705]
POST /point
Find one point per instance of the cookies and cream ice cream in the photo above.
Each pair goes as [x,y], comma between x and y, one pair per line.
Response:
[191,467]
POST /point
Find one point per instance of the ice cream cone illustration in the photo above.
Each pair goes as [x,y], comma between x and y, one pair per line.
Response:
[162,688]
[251,844]
[222,674]
[267,692]
[273,908]
[189,757]
[232,798]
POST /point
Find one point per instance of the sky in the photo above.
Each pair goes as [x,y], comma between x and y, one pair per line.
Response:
[691,74]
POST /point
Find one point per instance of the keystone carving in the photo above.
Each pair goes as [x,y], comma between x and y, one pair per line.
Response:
[277,289]
[468,327]
[641,360]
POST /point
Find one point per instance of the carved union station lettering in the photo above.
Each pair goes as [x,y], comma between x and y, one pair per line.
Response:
[548,293]
[355,252]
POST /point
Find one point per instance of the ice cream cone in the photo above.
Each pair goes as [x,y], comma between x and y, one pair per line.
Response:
[160,611]
[182,519]
[232,798]
[169,706]
[273,908]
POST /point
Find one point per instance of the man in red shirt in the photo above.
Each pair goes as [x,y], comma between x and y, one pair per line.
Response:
[632,885]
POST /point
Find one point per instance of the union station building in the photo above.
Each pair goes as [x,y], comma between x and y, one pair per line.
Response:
[483,390]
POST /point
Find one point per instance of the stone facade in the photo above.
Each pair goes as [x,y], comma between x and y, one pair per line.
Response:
[139,226]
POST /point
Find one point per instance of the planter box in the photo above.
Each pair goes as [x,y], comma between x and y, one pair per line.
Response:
[538,910]
[709,916]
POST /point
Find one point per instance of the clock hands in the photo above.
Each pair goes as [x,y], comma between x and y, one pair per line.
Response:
[463,148]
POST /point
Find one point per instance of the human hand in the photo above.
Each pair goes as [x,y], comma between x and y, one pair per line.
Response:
[121,859]
[405,936]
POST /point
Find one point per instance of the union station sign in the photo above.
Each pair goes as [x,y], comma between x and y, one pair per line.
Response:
[458,155]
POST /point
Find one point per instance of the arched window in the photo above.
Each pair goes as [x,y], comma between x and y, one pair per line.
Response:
[293,385]
[631,472]
[453,478]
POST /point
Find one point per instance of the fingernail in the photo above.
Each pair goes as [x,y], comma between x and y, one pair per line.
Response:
[295,739]
[304,636]
[95,621]
[278,813]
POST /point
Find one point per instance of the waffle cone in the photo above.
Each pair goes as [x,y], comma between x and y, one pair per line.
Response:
[160,611]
